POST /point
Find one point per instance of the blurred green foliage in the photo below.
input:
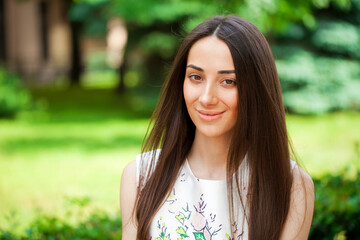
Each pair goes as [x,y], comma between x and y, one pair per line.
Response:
[267,15]
[337,209]
[91,15]
[319,68]
[13,96]
[161,43]
[82,221]
[338,38]
[313,84]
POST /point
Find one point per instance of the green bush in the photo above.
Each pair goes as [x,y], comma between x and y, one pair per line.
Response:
[315,85]
[338,37]
[319,67]
[337,210]
[13,97]
[82,221]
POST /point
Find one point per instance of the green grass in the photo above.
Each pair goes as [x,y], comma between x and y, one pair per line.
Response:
[76,148]
[327,143]
[42,164]
[80,145]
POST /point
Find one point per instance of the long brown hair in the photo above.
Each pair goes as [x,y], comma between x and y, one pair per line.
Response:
[260,132]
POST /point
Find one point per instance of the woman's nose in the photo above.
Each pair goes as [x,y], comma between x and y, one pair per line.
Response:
[208,95]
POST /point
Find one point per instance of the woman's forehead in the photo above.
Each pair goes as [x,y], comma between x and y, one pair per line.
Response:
[210,52]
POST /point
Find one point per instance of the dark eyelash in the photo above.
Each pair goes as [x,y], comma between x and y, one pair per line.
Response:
[233,81]
[193,75]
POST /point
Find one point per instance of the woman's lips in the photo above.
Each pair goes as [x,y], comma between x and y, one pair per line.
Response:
[209,115]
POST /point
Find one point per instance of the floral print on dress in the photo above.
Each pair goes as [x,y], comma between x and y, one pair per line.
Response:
[193,219]
[196,221]
[204,227]
[162,231]
[238,235]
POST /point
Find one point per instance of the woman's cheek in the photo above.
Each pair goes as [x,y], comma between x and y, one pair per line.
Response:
[190,92]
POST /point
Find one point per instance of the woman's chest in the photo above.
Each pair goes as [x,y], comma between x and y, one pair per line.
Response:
[197,209]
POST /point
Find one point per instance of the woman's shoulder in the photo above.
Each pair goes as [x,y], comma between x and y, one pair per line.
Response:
[128,191]
[297,225]
[128,176]
[301,179]
[145,163]
[133,169]
[299,175]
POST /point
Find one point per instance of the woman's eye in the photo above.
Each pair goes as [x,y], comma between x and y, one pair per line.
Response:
[229,82]
[195,77]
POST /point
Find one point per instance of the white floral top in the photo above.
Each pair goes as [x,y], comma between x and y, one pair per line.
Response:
[197,209]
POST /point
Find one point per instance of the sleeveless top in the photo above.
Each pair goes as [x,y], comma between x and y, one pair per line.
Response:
[197,209]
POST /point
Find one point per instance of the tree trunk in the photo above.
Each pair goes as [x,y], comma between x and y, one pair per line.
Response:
[76,64]
[120,88]
[44,30]
[2,33]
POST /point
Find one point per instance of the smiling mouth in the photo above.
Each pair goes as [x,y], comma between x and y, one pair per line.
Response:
[209,115]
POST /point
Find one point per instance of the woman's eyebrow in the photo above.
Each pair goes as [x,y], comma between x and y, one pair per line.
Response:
[195,67]
[202,70]
[226,71]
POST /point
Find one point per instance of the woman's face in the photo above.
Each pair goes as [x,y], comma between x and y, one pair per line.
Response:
[210,90]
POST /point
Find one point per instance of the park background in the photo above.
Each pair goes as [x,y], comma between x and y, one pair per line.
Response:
[79,80]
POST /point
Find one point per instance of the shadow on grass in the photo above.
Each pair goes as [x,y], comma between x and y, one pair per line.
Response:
[81,105]
[36,144]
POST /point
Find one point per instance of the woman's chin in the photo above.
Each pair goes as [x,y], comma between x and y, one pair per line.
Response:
[212,132]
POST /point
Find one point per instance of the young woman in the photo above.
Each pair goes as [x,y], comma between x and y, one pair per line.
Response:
[216,164]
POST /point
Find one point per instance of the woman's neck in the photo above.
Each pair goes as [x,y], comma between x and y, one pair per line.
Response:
[208,156]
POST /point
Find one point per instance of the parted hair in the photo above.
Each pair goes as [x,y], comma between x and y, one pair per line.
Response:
[259,134]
